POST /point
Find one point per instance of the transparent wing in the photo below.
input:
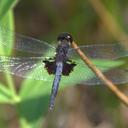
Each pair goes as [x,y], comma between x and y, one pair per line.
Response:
[107,58]
[33,67]
[113,70]
[24,43]
[26,67]
[101,51]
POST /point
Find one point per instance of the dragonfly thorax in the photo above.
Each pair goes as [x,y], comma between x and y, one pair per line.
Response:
[62,51]
[64,43]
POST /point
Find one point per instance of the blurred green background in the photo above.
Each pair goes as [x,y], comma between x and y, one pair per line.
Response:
[89,21]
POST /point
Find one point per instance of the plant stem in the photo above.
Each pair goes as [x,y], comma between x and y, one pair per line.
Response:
[99,74]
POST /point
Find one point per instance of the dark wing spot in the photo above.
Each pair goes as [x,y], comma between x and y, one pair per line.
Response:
[68,67]
[50,65]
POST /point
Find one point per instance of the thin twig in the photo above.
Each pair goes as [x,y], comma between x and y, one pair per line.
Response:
[102,77]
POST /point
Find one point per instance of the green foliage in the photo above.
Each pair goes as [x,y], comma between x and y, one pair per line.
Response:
[7,19]
[5,7]
[5,94]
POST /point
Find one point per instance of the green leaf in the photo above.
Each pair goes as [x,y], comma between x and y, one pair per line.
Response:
[5,6]
[6,35]
[34,101]
[5,94]
[7,21]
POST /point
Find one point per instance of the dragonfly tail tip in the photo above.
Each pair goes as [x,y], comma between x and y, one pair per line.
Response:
[51,108]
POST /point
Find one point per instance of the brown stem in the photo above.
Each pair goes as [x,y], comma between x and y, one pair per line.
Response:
[102,77]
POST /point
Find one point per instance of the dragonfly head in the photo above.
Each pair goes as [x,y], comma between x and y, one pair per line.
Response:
[65,38]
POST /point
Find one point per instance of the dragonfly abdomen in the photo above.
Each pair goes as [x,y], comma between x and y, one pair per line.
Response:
[55,86]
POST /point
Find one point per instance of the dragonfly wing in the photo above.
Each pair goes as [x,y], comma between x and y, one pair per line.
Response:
[106,57]
[25,67]
[101,51]
[117,76]
[34,68]
[25,43]
[112,70]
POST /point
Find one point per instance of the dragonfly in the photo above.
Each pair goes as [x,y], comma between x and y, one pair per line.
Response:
[61,63]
